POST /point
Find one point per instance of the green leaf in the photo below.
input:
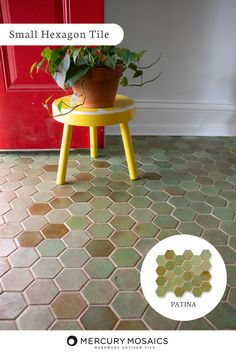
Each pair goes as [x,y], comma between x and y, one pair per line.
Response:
[78,75]
[76,53]
[138,73]
[108,49]
[32,69]
[140,55]
[124,81]
[59,106]
[53,60]
[60,74]
[40,64]
[110,62]
[45,104]
[81,61]
[48,99]
[90,59]
[89,49]
[46,53]
[133,66]
[62,51]
[126,55]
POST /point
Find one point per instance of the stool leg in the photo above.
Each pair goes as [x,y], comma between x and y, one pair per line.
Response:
[129,152]
[64,153]
[93,142]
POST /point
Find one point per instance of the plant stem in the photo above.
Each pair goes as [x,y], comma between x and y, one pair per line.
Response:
[146,82]
[149,66]
[72,108]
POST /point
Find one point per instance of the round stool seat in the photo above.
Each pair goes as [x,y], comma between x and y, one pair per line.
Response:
[122,111]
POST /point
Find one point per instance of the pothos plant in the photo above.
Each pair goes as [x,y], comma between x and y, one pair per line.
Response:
[69,64]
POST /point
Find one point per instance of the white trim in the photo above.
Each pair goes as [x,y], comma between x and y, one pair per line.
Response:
[182,118]
[178,105]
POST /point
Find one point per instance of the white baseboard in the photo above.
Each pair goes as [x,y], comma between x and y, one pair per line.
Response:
[181,118]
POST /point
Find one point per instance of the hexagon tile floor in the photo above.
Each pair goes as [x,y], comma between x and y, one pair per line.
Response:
[70,255]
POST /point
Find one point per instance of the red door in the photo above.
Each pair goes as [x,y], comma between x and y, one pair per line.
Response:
[24,124]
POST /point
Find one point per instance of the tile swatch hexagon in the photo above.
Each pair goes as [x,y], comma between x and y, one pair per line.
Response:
[183,273]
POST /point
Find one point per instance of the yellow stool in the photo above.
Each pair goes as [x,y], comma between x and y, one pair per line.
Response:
[122,111]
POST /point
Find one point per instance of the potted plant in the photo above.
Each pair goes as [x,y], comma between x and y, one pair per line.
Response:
[93,73]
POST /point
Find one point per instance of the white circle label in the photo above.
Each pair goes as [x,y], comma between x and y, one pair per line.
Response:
[183,277]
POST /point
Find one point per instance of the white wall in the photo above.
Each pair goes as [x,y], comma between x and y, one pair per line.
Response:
[196,93]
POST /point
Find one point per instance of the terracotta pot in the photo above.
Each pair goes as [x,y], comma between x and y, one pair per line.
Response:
[100,87]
